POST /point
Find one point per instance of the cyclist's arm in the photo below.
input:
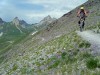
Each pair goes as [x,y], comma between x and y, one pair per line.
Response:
[86,13]
[78,13]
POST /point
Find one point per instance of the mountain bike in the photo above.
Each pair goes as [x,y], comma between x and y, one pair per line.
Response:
[81,24]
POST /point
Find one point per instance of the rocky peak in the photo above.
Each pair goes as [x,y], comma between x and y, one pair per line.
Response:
[47,20]
[1,21]
[16,21]
[22,22]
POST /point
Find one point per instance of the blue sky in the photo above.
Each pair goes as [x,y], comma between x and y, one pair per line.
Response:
[33,11]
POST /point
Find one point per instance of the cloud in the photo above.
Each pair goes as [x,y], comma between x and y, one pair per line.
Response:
[34,10]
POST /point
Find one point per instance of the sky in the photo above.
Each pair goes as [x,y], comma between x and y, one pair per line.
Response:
[32,11]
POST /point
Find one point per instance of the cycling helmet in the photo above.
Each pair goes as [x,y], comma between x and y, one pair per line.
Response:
[82,8]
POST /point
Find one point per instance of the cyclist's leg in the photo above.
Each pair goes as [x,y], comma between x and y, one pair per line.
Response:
[83,23]
[79,22]
[80,25]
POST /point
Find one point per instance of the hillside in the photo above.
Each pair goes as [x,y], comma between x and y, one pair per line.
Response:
[10,35]
[57,49]
[63,55]
[68,22]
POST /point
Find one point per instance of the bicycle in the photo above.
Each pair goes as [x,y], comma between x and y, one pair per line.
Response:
[81,24]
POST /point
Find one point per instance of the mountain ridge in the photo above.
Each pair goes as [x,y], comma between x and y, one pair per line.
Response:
[45,22]
[69,21]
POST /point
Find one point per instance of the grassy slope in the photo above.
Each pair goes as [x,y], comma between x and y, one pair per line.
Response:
[11,37]
[62,55]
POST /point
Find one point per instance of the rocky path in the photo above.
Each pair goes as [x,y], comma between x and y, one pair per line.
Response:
[93,38]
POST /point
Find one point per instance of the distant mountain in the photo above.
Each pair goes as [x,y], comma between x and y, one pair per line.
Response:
[15,26]
[1,26]
[1,21]
[12,32]
[16,21]
[46,21]
[22,23]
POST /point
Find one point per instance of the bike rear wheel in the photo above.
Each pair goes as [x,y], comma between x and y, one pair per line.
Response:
[81,29]
[81,25]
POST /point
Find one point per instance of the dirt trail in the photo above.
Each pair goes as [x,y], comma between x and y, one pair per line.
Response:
[93,38]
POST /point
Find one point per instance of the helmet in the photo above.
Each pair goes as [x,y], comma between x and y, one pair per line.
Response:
[82,8]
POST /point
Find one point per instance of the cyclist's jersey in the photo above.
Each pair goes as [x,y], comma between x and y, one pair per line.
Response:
[82,13]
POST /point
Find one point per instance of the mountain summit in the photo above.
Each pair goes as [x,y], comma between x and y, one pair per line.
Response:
[16,21]
[46,21]
[48,18]
[1,21]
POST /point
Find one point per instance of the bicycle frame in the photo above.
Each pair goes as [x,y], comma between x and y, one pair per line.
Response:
[81,24]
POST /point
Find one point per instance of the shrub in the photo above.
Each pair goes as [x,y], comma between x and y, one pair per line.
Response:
[98,64]
[81,45]
[14,67]
[54,65]
[63,55]
[87,44]
[92,63]
[84,44]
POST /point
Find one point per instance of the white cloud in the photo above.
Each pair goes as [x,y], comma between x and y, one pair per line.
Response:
[55,8]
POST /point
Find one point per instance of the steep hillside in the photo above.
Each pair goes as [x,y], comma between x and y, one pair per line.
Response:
[69,22]
[63,55]
[10,35]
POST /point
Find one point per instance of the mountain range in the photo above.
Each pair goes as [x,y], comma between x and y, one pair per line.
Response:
[12,32]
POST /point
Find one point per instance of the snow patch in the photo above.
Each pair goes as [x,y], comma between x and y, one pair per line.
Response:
[34,33]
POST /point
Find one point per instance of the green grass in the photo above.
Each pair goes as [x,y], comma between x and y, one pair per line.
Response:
[67,56]
[1,59]
[84,44]
[11,37]
[86,55]
[92,63]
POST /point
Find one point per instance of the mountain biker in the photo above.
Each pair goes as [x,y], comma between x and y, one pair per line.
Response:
[82,14]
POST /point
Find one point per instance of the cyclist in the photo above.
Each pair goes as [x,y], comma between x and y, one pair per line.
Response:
[82,14]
